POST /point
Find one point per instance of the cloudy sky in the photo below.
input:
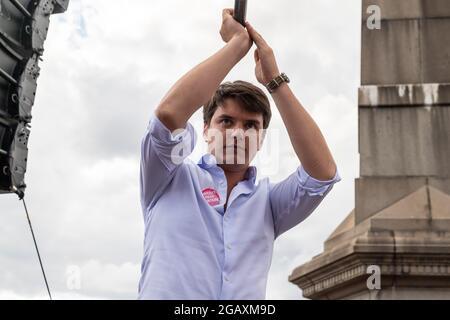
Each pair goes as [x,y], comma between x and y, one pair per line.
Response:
[106,66]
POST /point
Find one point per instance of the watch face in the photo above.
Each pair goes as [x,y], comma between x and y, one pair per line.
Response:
[275,83]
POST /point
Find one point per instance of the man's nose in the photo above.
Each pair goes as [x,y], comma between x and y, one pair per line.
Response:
[237,133]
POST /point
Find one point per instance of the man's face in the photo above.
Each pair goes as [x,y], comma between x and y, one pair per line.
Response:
[234,135]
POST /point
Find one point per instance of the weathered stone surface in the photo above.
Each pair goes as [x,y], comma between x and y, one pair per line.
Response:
[435,51]
[408,9]
[418,52]
[404,142]
[403,293]
[418,95]
[374,194]
[399,65]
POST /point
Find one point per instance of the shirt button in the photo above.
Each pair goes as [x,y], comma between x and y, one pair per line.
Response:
[228,247]
[226,279]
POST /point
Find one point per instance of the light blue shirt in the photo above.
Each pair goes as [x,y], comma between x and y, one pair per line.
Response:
[193,249]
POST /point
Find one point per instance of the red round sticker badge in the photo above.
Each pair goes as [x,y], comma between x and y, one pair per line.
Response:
[211,196]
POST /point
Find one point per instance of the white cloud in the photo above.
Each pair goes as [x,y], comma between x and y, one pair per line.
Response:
[107,280]
[10,295]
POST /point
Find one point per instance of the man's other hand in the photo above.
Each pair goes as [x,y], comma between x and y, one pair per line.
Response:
[266,67]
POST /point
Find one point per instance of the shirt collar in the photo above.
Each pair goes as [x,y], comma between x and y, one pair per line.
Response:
[209,161]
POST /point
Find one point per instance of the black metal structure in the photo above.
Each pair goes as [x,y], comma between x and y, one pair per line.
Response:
[240,11]
[23,31]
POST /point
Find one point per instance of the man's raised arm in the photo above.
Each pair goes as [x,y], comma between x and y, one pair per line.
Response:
[306,137]
[196,87]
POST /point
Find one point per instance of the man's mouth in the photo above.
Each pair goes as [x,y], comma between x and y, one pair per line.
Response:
[234,147]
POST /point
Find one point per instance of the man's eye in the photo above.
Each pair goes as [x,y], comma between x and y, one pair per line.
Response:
[251,126]
[226,121]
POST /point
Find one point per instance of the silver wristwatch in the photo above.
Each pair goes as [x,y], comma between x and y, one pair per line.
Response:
[275,83]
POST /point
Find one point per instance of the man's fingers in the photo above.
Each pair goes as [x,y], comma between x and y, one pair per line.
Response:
[257,38]
[227,12]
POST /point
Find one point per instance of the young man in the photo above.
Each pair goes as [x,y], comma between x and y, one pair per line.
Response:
[209,228]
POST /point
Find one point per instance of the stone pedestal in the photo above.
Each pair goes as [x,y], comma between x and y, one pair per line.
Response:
[401,220]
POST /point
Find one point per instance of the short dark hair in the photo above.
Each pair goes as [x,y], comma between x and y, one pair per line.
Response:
[249,96]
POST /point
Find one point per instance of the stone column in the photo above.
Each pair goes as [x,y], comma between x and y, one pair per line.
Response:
[401,221]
